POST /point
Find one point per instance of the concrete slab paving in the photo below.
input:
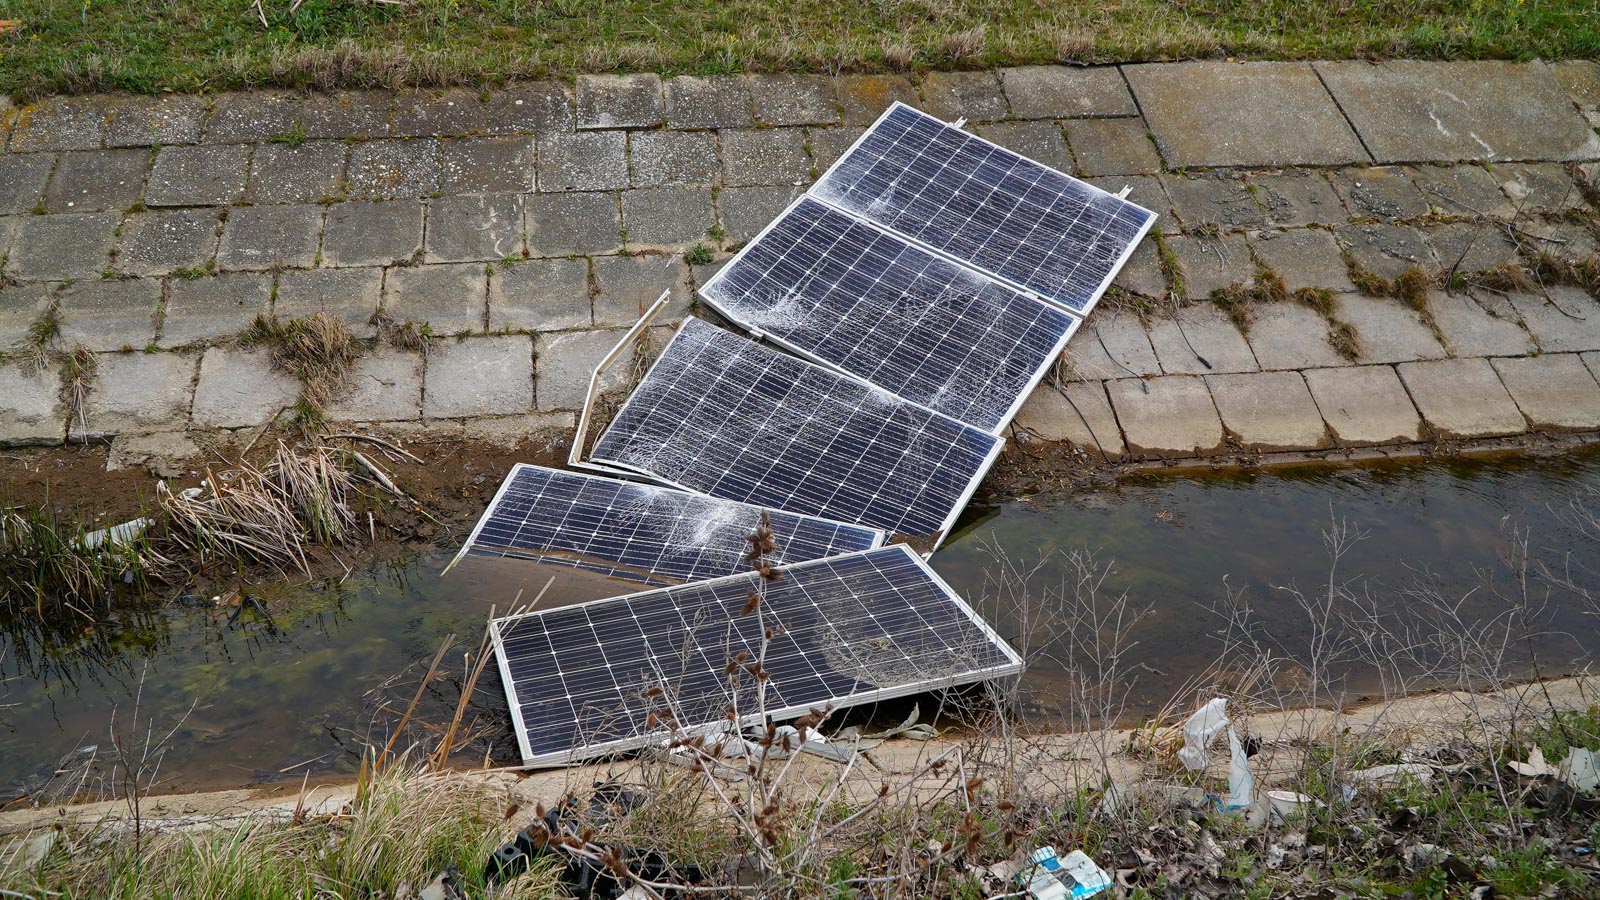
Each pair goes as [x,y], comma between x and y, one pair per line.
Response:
[1364,405]
[1469,246]
[1039,141]
[567,362]
[1216,198]
[270,237]
[567,224]
[1170,416]
[863,98]
[670,158]
[828,144]
[452,298]
[541,295]
[1242,114]
[96,180]
[1143,274]
[1474,326]
[744,211]
[385,386]
[975,96]
[1462,398]
[1269,410]
[483,227]
[667,217]
[349,295]
[61,123]
[1540,187]
[1380,192]
[308,173]
[71,245]
[21,305]
[1554,390]
[1386,330]
[1304,258]
[347,115]
[1290,336]
[1111,344]
[1205,332]
[1464,190]
[486,165]
[161,120]
[1568,321]
[1067,92]
[137,392]
[381,170]
[197,176]
[241,116]
[1112,147]
[1413,111]
[164,241]
[1296,197]
[788,99]
[548,430]
[753,156]
[22,180]
[31,412]
[1078,412]
[620,101]
[376,233]
[213,308]
[718,101]
[1209,264]
[240,389]
[479,377]
[529,106]
[449,111]
[625,286]
[1385,250]
[109,314]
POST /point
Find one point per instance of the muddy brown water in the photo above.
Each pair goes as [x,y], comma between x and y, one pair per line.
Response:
[292,694]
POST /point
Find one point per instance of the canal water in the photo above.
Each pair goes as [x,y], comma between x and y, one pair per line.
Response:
[1189,568]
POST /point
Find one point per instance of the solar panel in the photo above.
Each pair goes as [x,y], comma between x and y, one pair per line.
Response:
[641,532]
[980,203]
[730,418]
[851,295]
[584,680]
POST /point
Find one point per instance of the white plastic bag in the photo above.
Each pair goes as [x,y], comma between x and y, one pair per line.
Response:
[1200,730]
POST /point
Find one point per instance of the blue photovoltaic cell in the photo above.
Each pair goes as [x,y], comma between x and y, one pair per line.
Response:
[652,534]
[728,417]
[853,296]
[583,680]
[980,203]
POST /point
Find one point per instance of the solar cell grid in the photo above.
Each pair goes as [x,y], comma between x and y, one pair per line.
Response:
[857,628]
[654,535]
[727,417]
[978,202]
[850,295]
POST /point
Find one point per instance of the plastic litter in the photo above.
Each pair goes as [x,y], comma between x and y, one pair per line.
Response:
[1580,770]
[1388,776]
[1050,877]
[1287,804]
[116,534]
[1200,730]
[1241,784]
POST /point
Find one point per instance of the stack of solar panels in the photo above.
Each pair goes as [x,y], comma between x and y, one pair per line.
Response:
[899,314]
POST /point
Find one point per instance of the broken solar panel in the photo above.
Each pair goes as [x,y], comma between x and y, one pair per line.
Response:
[728,417]
[640,532]
[853,296]
[980,203]
[584,680]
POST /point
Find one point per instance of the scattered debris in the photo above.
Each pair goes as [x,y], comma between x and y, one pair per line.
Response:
[1202,727]
[117,534]
[1055,878]
[1580,770]
[1391,775]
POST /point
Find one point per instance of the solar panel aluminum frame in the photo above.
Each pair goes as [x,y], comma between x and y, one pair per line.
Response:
[879,537]
[609,467]
[532,761]
[1088,306]
[761,335]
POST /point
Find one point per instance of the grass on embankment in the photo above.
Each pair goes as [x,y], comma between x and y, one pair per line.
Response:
[149,45]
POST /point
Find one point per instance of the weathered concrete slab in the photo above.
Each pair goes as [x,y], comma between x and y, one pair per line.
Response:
[863,98]
[744,211]
[620,101]
[753,156]
[21,305]
[22,180]
[380,170]
[452,298]
[1111,344]
[1469,246]
[720,101]
[308,173]
[270,237]
[149,121]
[1385,250]
[529,106]
[1569,321]
[74,245]
[1540,187]
[163,453]
[975,96]
[1555,390]
[480,227]
[163,241]
[1304,257]
[1581,78]
[205,309]
[1214,198]
[1462,398]
[663,158]
[567,362]
[1142,274]
[540,295]
[1269,410]
[385,386]
[625,286]
[1465,190]
[450,111]
[347,115]
[1112,147]
[565,224]
[349,295]
[1170,416]
[1062,92]
[1204,331]
[667,217]
[242,116]
[480,377]
[1082,415]
[1242,114]
[1478,326]
[542,430]
[1411,111]
[378,233]
[1380,192]
[828,144]
[1298,197]
[1039,141]
[1386,330]
[1208,264]
[61,123]
[197,176]
[137,392]
[240,389]
[785,99]
[1365,405]
[109,314]
[486,165]
[31,412]
[1290,336]
[583,161]
[94,180]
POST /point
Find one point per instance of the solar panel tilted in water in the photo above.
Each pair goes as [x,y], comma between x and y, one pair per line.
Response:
[850,295]
[640,532]
[584,680]
[725,416]
[1007,215]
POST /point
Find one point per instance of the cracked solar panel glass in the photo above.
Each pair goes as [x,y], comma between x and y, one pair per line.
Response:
[726,416]
[856,297]
[584,680]
[641,532]
[1007,215]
